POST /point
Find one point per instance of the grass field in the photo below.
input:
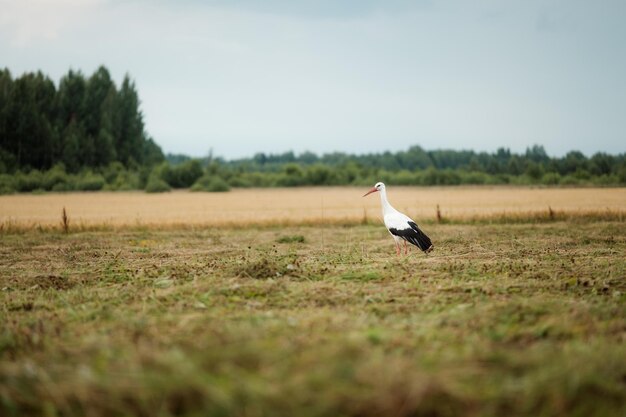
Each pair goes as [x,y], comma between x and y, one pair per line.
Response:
[525,319]
[314,206]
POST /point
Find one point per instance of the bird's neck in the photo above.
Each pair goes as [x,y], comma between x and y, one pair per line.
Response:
[387,208]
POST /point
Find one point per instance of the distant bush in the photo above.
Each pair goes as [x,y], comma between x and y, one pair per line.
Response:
[403,177]
[605,179]
[56,179]
[582,174]
[157,185]
[569,180]
[474,177]
[211,184]
[621,175]
[62,187]
[7,184]
[118,178]
[239,182]
[292,176]
[30,181]
[112,171]
[183,175]
[124,181]
[319,174]
[551,178]
[258,179]
[432,176]
[90,182]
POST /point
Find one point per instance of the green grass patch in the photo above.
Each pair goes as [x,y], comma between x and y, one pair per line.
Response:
[291,239]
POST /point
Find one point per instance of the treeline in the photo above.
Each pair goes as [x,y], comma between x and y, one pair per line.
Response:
[533,162]
[416,166]
[84,123]
[88,134]
[288,170]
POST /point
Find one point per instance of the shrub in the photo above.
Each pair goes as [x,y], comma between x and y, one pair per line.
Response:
[29,182]
[239,182]
[551,178]
[7,184]
[606,180]
[210,184]
[403,177]
[292,176]
[582,174]
[534,171]
[498,179]
[621,175]
[157,185]
[90,182]
[569,180]
[55,177]
[284,180]
[112,171]
[183,175]
[126,180]
[319,174]
[474,177]
[432,176]
[62,186]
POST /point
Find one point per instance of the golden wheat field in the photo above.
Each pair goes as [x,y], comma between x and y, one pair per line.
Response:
[300,205]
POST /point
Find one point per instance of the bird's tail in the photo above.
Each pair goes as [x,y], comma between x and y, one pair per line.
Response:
[423,241]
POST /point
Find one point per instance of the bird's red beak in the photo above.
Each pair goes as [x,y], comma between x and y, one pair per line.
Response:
[373,190]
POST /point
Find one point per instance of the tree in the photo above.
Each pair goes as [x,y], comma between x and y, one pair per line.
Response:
[6,85]
[601,164]
[534,170]
[27,115]
[131,136]
[415,158]
[89,119]
[537,153]
[572,162]
[100,121]
[71,111]
[72,149]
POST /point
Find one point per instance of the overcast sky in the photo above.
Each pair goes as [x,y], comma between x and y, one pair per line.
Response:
[358,76]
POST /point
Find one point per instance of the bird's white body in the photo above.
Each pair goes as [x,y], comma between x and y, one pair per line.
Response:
[392,217]
[400,226]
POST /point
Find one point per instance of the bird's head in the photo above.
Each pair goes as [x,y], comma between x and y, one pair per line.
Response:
[379,186]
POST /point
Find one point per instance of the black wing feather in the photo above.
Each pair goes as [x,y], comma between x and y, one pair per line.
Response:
[415,236]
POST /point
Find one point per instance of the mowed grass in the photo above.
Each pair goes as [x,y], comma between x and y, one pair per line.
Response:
[500,320]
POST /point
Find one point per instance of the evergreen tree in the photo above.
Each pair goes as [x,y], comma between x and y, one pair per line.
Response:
[71,112]
[86,123]
[72,149]
[131,136]
[100,116]
[6,85]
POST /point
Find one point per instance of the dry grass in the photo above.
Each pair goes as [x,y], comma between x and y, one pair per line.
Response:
[338,205]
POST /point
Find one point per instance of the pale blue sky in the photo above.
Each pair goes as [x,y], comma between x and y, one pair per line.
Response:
[356,76]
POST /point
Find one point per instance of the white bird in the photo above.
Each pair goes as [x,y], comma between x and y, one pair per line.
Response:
[401,226]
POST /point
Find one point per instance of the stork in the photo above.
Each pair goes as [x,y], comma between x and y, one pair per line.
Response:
[401,226]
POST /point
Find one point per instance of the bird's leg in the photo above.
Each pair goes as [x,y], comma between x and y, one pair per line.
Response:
[397,249]
[406,248]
